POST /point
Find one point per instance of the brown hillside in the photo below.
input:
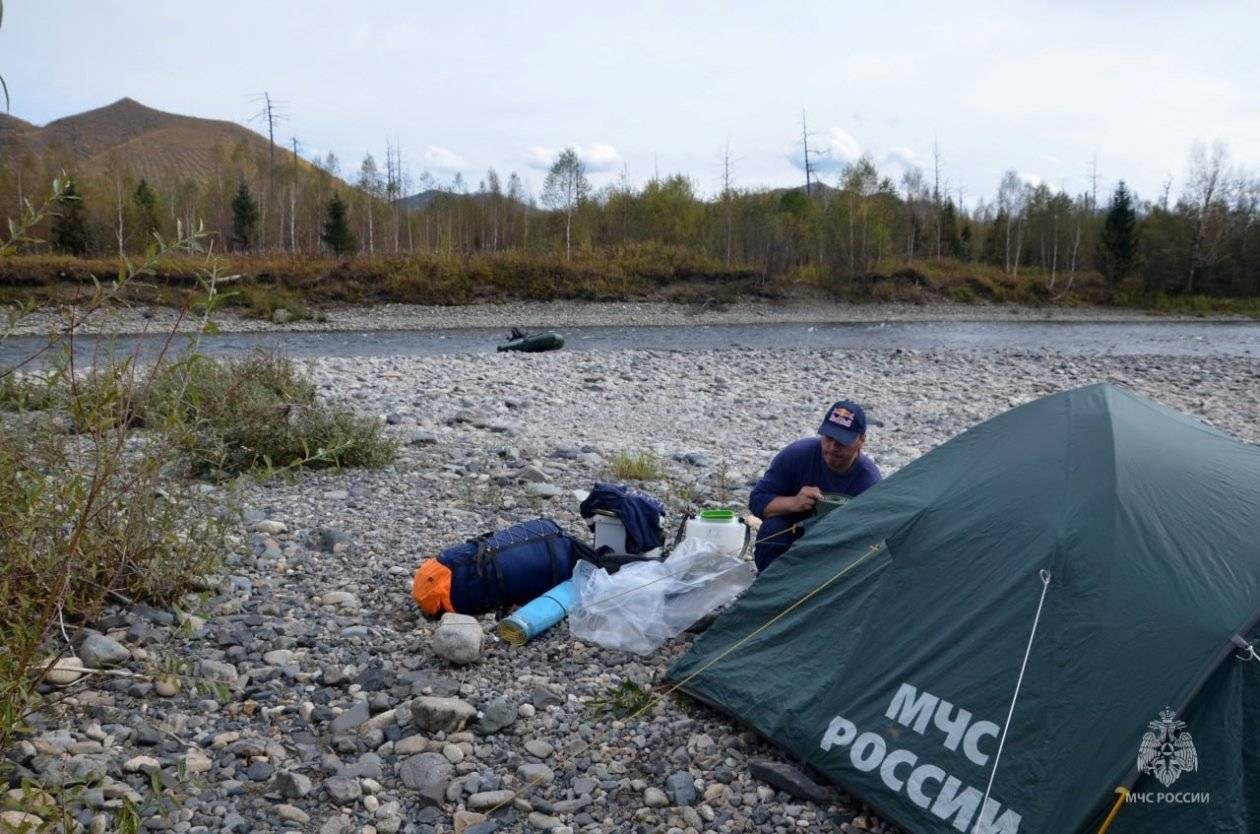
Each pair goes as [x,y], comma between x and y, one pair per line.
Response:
[151,143]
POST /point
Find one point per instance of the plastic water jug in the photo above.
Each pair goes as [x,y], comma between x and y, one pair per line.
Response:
[722,527]
[609,532]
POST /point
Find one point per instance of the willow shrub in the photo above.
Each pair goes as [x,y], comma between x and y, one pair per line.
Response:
[260,413]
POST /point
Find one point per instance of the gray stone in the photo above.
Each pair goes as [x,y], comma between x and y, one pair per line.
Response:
[543,697]
[789,779]
[217,670]
[278,657]
[292,814]
[532,474]
[535,774]
[496,716]
[458,639]
[351,718]
[485,800]
[292,785]
[681,788]
[542,822]
[543,490]
[448,715]
[655,798]
[98,651]
[428,774]
[539,748]
[343,789]
[331,540]
[584,785]
[281,316]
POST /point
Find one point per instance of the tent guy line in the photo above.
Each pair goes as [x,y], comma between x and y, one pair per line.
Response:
[1045,576]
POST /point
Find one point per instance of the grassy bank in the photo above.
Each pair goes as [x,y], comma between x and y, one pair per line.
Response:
[300,285]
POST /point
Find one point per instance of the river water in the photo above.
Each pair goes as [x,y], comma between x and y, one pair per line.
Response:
[1237,339]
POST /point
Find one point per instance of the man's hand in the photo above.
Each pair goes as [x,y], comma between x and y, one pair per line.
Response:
[801,502]
[807,498]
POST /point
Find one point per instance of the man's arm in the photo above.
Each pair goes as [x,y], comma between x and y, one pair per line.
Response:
[801,502]
[780,492]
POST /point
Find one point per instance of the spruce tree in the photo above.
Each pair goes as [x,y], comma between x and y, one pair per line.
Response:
[147,215]
[951,243]
[69,229]
[993,251]
[1118,243]
[337,235]
[244,217]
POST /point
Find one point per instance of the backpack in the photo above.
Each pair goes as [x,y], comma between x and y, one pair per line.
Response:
[497,570]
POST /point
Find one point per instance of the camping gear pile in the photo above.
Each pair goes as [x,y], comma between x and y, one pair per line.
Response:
[1046,624]
[644,597]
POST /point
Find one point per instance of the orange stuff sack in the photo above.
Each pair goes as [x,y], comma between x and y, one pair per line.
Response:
[432,588]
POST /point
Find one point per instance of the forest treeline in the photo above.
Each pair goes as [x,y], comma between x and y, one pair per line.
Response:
[1201,239]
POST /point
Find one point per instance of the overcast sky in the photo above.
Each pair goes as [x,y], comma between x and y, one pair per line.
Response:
[1037,87]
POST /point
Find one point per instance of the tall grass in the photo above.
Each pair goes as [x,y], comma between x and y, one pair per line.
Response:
[635,466]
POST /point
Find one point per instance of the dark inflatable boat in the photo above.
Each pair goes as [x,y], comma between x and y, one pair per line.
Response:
[532,342]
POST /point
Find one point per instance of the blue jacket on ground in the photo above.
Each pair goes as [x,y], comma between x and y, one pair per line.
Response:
[800,464]
[639,513]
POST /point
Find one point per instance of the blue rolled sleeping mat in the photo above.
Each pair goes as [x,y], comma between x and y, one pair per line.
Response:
[540,614]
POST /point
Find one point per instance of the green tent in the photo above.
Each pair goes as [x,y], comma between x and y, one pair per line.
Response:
[1053,605]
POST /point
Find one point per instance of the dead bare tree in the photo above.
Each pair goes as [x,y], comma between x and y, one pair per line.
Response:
[270,114]
[1205,194]
[728,194]
[805,147]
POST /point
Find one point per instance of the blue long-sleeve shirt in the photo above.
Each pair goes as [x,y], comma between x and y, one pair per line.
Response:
[801,464]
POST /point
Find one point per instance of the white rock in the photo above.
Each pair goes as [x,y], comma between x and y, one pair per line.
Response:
[197,762]
[140,763]
[458,639]
[64,671]
[278,657]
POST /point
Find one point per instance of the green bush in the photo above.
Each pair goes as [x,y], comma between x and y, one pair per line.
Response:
[28,392]
[259,413]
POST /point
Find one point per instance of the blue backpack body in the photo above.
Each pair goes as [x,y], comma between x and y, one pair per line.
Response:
[510,567]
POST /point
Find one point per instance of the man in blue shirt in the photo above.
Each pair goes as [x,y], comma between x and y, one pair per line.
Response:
[803,471]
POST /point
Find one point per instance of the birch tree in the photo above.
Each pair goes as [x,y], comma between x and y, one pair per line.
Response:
[565,188]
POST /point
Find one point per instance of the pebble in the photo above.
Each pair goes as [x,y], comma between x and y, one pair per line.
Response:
[655,798]
[539,748]
[98,651]
[458,639]
[64,671]
[292,814]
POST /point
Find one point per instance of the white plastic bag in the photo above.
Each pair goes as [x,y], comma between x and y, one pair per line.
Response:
[646,603]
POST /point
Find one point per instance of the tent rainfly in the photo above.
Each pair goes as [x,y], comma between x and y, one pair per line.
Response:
[1043,626]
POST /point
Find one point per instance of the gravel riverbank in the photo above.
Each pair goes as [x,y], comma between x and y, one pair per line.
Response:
[582,314]
[330,725]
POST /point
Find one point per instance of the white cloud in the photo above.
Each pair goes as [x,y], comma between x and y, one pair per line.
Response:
[444,160]
[1053,160]
[903,158]
[831,151]
[1029,178]
[597,157]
